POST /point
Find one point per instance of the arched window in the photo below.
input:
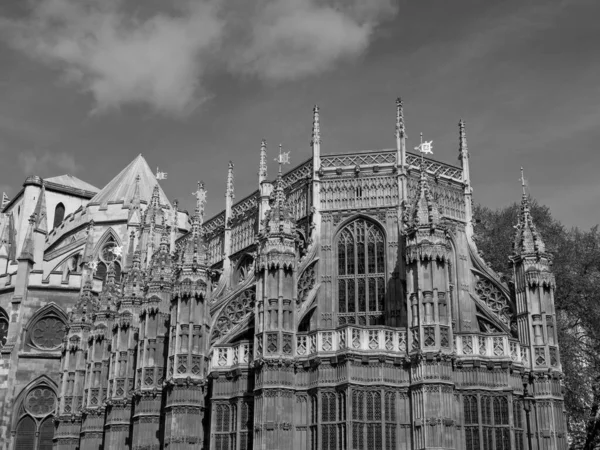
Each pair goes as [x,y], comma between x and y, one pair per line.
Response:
[35,429]
[25,439]
[59,215]
[361,273]
[108,254]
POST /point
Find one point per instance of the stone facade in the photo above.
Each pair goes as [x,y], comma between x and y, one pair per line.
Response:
[342,306]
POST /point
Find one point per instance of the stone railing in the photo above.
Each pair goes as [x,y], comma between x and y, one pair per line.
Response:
[469,345]
[225,357]
[351,338]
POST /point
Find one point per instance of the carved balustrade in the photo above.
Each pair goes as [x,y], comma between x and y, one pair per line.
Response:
[381,339]
[226,357]
[473,345]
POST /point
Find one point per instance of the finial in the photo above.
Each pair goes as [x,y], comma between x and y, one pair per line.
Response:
[262,166]
[200,195]
[229,190]
[523,182]
[400,130]
[316,130]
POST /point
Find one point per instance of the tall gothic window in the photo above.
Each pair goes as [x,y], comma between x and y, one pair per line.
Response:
[493,422]
[3,327]
[367,420]
[333,416]
[59,215]
[225,426]
[471,414]
[361,273]
[35,429]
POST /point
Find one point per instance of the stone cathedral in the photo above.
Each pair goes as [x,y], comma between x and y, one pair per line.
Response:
[343,305]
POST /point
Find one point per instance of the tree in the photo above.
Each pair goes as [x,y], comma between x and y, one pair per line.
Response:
[577,300]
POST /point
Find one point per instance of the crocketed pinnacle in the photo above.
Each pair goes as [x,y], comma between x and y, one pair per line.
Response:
[527,239]
[230,189]
[400,129]
[316,129]
[426,211]
[462,148]
[262,167]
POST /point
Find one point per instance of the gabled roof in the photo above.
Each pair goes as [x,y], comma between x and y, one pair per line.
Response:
[122,187]
[73,182]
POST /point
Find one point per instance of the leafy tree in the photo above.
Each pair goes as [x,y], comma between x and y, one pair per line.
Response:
[577,300]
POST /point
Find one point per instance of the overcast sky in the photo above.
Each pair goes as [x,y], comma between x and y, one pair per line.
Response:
[86,85]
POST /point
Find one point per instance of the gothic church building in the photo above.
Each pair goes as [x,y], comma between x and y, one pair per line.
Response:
[343,305]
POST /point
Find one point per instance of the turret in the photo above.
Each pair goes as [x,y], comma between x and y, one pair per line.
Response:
[125,328]
[534,286]
[187,364]
[152,346]
[427,259]
[98,364]
[275,325]
[73,368]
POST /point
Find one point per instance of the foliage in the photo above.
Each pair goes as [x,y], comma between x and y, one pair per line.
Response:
[577,270]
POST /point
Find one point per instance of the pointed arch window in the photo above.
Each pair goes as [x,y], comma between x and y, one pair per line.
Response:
[59,215]
[361,273]
[35,428]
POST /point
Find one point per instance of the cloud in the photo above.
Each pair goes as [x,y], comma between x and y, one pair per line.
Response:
[290,39]
[161,59]
[48,163]
[117,57]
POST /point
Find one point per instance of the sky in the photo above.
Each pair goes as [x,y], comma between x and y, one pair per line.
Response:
[87,85]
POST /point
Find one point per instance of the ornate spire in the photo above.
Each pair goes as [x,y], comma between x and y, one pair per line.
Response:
[134,204]
[230,189]
[463,151]
[316,129]
[164,235]
[426,211]
[527,239]
[278,192]
[400,130]
[262,167]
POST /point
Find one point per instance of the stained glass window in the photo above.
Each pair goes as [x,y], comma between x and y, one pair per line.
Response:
[46,435]
[494,426]
[361,269]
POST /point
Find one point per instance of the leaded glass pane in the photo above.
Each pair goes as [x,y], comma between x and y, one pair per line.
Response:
[372,295]
[342,295]
[362,307]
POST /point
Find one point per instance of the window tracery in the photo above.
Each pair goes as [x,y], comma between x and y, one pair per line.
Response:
[494,422]
[47,332]
[494,298]
[235,312]
[361,273]
[35,428]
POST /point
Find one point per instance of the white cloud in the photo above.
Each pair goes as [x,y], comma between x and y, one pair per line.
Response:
[117,57]
[48,164]
[161,59]
[290,39]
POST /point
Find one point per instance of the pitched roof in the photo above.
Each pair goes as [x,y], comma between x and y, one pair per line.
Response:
[122,187]
[71,181]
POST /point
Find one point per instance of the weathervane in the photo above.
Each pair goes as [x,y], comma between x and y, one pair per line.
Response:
[283,158]
[424,148]
[160,175]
